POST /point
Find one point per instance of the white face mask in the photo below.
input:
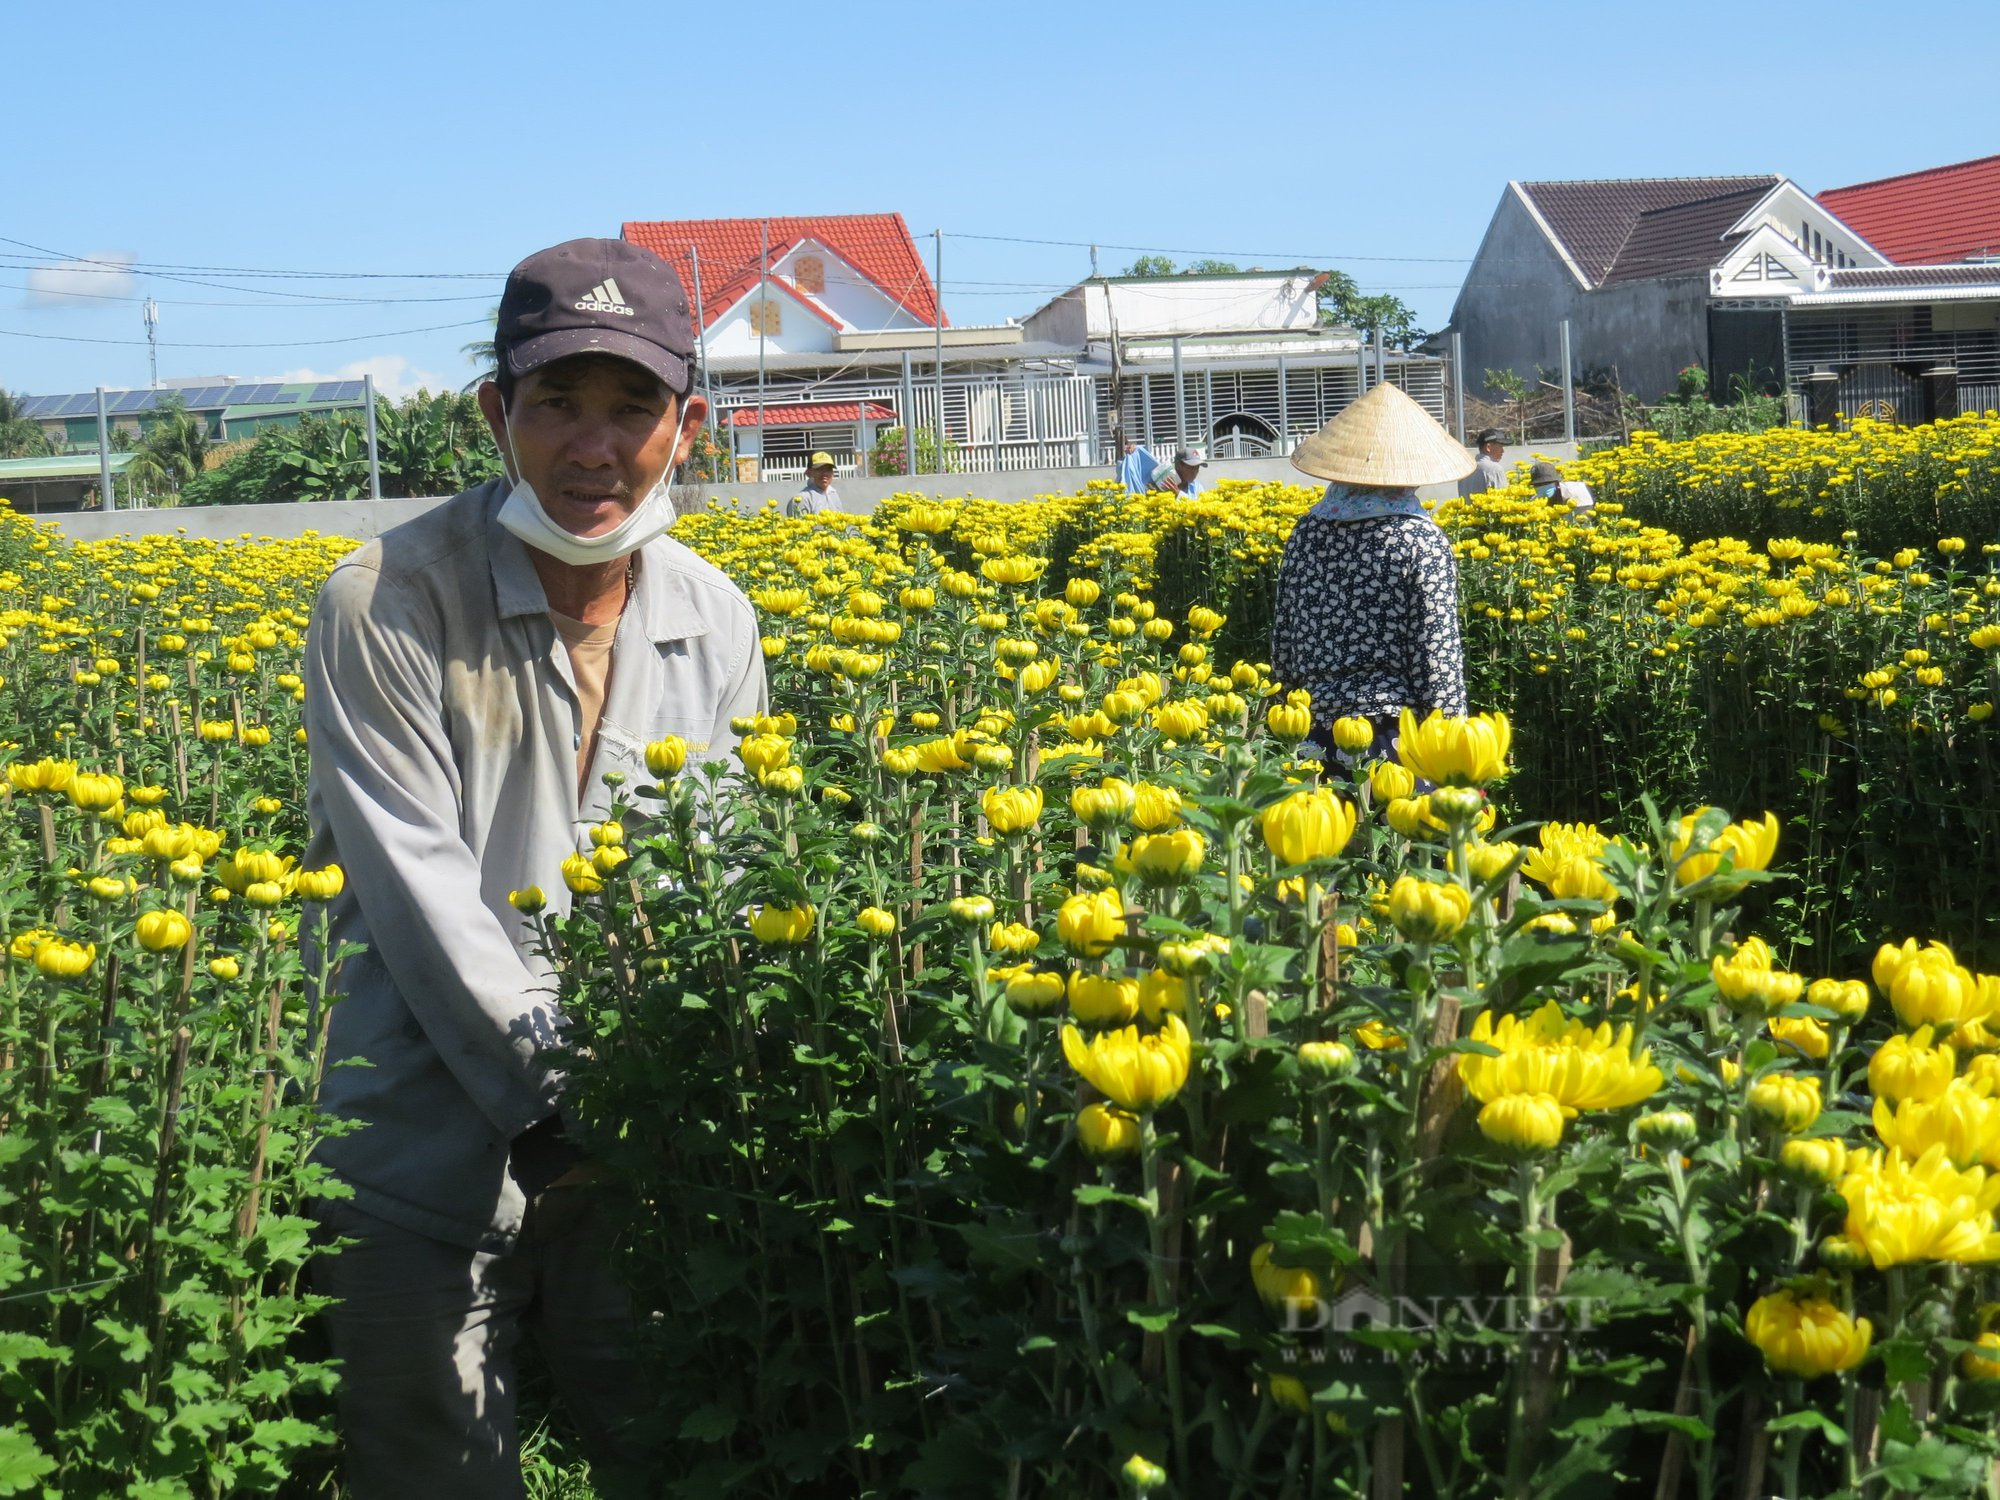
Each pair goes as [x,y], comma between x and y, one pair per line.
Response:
[523,515]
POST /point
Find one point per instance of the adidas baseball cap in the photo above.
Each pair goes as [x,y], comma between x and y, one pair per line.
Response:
[596,297]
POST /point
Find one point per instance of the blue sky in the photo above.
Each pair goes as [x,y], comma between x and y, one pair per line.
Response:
[452,139]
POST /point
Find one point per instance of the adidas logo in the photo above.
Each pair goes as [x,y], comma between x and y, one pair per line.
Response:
[606,298]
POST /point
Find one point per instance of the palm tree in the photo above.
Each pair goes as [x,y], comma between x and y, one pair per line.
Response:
[483,353]
[170,452]
[20,436]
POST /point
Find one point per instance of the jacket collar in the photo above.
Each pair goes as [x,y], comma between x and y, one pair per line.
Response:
[661,600]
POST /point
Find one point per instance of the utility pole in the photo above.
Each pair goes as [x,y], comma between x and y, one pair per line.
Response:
[1569,388]
[153,340]
[909,420]
[701,333]
[1180,398]
[937,328]
[104,453]
[763,322]
[374,457]
[1458,380]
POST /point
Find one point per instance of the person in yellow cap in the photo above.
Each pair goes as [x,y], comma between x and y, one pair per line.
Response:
[818,494]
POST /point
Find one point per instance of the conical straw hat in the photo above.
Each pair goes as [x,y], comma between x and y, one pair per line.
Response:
[1385,438]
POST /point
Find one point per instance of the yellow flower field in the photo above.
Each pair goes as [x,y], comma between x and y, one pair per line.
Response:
[1028,1071]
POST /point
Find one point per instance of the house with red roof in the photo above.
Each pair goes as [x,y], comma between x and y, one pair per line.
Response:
[792,283]
[827,332]
[1879,299]
[813,328]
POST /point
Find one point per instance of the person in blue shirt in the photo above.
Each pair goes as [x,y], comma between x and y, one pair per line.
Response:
[1135,466]
[1139,471]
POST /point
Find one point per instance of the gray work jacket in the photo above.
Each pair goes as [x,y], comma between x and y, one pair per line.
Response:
[442,721]
[811,501]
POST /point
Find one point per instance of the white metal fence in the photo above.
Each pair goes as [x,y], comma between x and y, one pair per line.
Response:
[998,422]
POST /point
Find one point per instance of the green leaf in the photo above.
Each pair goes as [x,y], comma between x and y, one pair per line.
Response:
[1905,1360]
[22,1464]
[1090,1194]
[1301,1239]
[708,1424]
[1152,1319]
[133,1345]
[1809,1419]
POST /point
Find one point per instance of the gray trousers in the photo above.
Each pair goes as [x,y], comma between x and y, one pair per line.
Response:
[427,1335]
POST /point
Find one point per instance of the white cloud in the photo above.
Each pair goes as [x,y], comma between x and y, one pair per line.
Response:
[395,376]
[76,283]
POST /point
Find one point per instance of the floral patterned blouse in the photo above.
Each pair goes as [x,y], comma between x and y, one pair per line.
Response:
[1367,617]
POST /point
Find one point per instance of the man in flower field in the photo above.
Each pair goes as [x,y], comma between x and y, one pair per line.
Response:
[817,493]
[472,676]
[1489,472]
[1184,478]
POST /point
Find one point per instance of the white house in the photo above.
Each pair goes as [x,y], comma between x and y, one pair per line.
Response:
[1237,362]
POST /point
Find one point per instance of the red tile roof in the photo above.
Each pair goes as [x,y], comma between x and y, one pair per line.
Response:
[788,287]
[877,245]
[1926,218]
[1593,219]
[811,414]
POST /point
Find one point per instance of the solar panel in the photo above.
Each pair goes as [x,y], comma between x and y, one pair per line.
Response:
[281,398]
[326,390]
[131,400]
[208,395]
[350,390]
[78,405]
[42,406]
[251,395]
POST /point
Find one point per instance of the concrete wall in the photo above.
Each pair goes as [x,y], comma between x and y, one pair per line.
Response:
[1516,293]
[1059,321]
[363,519]
[1650,330]
[1519,290]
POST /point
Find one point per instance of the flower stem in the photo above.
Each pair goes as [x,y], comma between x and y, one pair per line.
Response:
[1528,1184]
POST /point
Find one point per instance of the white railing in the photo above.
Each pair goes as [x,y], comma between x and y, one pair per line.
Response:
[991,422]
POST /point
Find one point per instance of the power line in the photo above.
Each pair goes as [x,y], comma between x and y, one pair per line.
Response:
[357,338]
[333,303]
[90,260]
[1302,259]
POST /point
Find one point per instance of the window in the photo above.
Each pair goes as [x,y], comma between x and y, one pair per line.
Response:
[809,271]
[767,316]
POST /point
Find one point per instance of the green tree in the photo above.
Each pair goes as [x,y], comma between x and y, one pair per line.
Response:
[1209,268]
[20,437]
[171,451]
[1341,301]
[433,444]
[1150,265]
[483,353]
[886,457]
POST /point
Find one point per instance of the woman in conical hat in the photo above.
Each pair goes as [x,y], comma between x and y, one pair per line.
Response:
[1367,601]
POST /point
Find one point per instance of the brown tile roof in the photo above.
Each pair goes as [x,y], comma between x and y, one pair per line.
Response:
[1867,278]
[1688,237]
[1592,220]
